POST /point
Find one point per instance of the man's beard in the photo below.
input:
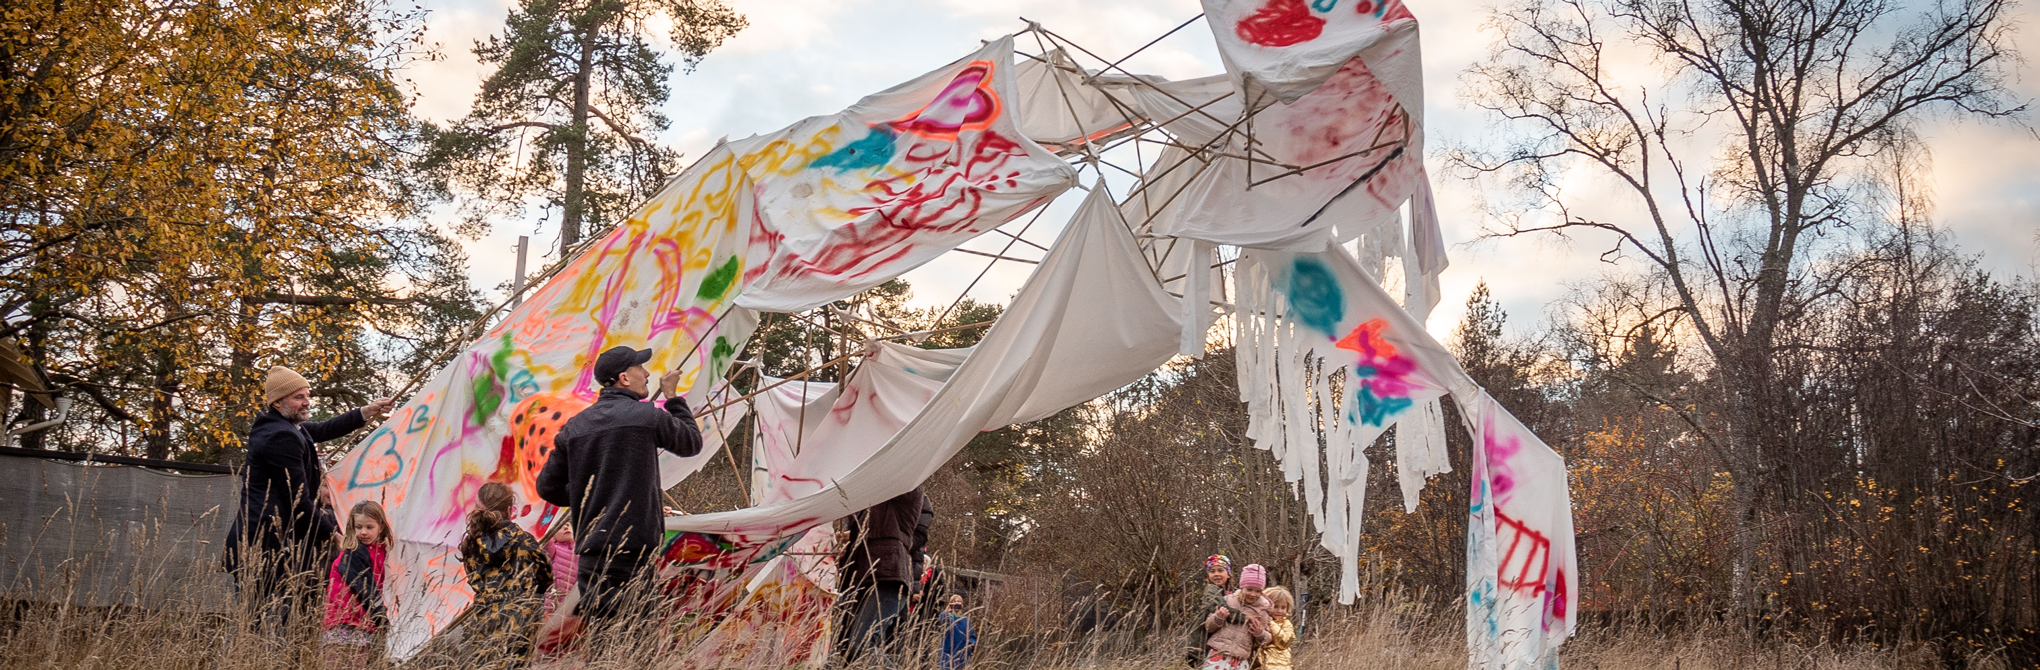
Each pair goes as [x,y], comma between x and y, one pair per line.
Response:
[299,415]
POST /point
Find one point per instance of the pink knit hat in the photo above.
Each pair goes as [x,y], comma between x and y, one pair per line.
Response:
[1253,577]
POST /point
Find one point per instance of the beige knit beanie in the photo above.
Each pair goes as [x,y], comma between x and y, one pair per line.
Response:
[281,383]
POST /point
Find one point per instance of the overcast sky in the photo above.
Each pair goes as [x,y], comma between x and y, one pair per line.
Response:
[803,58]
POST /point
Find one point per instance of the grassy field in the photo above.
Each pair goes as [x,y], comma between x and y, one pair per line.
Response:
[1381,636]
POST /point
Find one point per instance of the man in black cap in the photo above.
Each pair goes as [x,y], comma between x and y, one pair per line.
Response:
[605,467]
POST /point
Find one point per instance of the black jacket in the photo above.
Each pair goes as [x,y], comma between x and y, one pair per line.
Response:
[280,487]
[605,466]
[357,571]
[881,542]
[919,550]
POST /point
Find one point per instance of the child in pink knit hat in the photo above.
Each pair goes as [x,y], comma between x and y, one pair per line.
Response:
[1234,639]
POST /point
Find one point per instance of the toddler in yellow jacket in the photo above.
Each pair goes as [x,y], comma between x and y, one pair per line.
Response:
[1281,633]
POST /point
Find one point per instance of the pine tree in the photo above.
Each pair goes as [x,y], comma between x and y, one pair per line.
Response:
[1506,369]
[569,113]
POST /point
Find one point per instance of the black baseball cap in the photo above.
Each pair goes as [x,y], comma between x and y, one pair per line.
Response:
[611,364]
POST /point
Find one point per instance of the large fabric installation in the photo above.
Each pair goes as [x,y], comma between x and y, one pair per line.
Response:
[787,220]
[1091,319]
[1281,195]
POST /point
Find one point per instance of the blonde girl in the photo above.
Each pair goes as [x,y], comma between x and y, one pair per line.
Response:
[354,605]
[1281,631]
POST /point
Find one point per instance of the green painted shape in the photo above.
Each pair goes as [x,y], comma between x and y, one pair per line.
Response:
[486,397]
[717,284]
[719,357]
[488,386]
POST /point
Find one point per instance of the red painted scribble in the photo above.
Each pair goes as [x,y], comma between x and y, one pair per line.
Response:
[1557,601]
[1526,558]
[1350,112]
[1280,23]
[847,402]
[667,313]
[763,244]
[506,462]
[967,103]
[614,289]
[798,480]
[691,548]
[937,196]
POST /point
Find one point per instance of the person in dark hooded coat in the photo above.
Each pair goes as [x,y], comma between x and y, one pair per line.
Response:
[283,527]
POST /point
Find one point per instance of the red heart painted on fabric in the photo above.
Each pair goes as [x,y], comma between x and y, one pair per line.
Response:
[1280,23]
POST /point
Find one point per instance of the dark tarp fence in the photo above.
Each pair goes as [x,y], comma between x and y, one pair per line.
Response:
[101,535]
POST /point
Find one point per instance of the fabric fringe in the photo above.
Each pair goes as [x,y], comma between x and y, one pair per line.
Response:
[1294,409]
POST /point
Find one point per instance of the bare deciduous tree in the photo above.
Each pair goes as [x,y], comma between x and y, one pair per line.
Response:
[1758,134]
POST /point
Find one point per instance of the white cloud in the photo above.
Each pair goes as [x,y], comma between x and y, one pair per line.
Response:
[784,25]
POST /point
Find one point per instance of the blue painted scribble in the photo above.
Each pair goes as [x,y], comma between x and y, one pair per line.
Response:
[388,441]
[1377,410]
[1315,293]
[872,150]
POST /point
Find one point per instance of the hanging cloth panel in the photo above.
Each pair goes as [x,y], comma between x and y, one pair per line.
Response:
[1334,319]
[1284,49]
[1194,112]
[851,200]
[1522,567]
[804,446]
[1092,318]
[1186,270]
[661,280]
[715,433]
[1358,158]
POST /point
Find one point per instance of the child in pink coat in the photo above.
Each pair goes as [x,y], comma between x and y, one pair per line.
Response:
[1232,645]
[354,605]
[566,565]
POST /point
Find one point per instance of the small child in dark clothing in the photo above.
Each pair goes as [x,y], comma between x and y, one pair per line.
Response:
[1217,575]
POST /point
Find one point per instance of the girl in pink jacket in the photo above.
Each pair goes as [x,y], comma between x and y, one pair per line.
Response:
[354,605]
[566,565]
[1232,645]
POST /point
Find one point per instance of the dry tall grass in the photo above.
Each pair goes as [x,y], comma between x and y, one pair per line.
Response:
[1027,624]
[1384,634]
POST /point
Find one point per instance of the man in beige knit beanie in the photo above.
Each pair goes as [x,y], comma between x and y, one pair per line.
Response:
[281,514]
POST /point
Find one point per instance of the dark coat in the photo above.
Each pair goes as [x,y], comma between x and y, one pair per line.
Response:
[919,550]
[881,541]
[358,570]
[605,466]
[280,487]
